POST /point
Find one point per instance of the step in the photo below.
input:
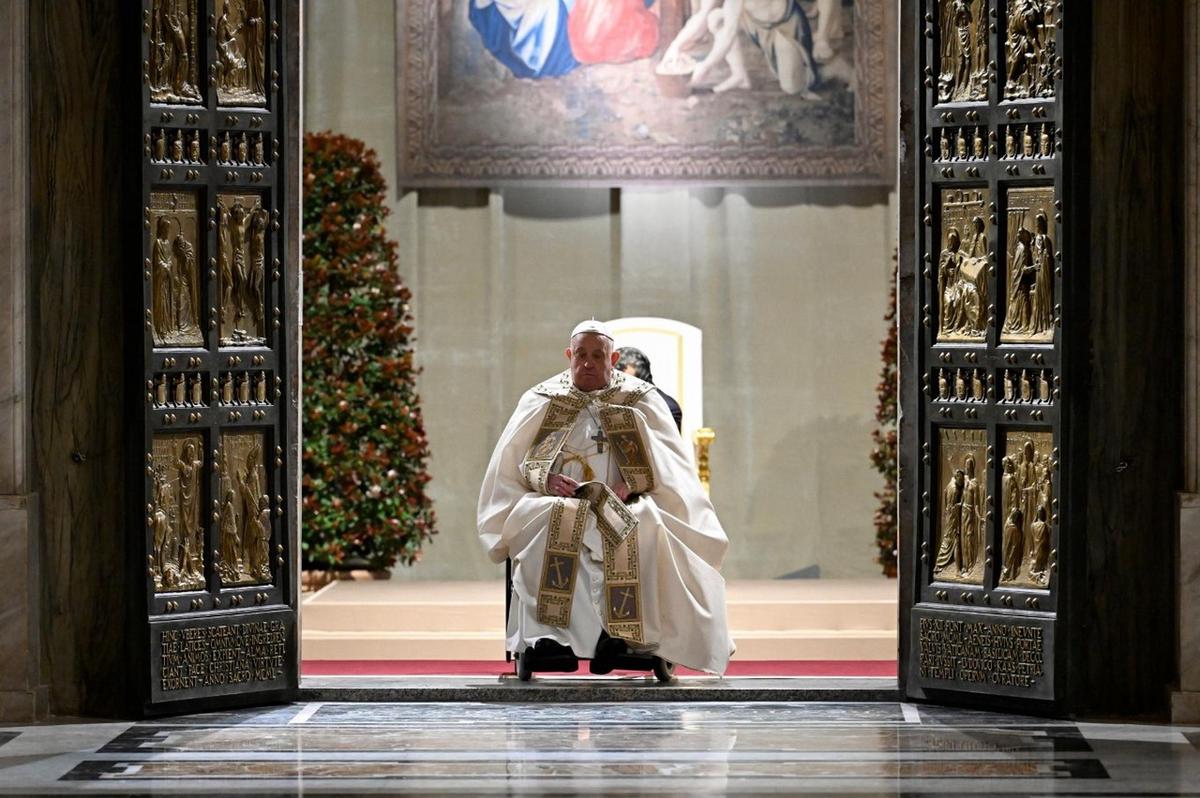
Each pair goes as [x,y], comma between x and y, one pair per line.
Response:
[792,644]
[472,606]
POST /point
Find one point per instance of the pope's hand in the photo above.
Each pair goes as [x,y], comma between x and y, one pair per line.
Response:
[559,485]
[622,490]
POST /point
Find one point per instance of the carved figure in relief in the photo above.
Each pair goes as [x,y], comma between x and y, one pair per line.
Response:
[197,391]
[160,147]
[160,524]
[1030,48]
[962,302]
[1039,554]
[241,51]
[194,148]
[187,300]
[972,516]
[1042,316]
[1027,143]
[964,49]
[1043,388]
[190,467]
[231,64]
[259,155]
[960,386]
[1014,534]
[226,149]
[243,389]
[258,531]
[256,279]
[256,56]
[977,386]
[243,150]
[225,257]
[1022,276]
[163,279]
[960,146]
[231,540]
[945,146]
[1010,143]
[943,385]
[950,546]
[177,147]
[978,144]
[172,56]
[1047,148]
[260,388]
[238,220]
[1010,390]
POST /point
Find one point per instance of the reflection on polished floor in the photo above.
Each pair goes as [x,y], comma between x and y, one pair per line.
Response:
[628,748]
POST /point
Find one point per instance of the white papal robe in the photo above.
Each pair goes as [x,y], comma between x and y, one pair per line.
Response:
[679,542]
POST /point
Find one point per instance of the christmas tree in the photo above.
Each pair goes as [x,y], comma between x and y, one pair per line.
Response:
[883,456]
[365,450]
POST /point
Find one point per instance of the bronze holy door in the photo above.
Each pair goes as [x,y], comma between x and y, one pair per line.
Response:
[986,374]
[1041,329]
[218,536]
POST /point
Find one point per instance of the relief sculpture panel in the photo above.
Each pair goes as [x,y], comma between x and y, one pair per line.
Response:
[961,510]
[177,471]
[1029,297]
[962,273]
[1027,508]
[963,76]
[173,271]
[244,511]
[242,224]
[241,65]
[1030,50]
[173,66]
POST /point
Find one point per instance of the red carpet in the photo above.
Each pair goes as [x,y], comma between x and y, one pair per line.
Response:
[448,667]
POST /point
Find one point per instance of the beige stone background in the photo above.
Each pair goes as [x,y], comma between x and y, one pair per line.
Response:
[788,285]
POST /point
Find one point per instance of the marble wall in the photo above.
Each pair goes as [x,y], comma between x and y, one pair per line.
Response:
[23,696]
[1185,702]
[788,285]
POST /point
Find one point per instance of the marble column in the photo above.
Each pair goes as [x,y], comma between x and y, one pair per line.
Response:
[23,695]
[1185,702]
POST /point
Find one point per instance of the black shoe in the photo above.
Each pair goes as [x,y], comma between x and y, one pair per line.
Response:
[546,656]
[608,651]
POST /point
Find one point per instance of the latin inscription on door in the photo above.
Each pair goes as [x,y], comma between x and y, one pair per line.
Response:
[221,655]
[983,653]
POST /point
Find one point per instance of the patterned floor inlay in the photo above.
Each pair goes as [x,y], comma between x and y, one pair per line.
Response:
[661,748]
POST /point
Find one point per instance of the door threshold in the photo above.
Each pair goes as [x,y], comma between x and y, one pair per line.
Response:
[569,688]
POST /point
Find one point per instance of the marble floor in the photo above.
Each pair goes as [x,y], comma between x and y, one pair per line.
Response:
[660,748]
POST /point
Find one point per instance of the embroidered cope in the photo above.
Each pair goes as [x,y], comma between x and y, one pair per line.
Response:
[646,571]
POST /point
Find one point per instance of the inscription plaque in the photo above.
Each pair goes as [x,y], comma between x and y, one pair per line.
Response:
[983,653]
[220,656]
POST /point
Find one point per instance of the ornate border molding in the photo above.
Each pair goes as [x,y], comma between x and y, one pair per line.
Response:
[425,162]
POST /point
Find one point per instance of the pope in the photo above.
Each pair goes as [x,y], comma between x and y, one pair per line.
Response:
[615,546]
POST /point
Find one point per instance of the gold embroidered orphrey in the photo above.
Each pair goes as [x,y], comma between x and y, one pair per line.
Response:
[568,519]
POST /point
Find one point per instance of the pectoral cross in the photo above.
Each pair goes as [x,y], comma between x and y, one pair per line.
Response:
[600,438]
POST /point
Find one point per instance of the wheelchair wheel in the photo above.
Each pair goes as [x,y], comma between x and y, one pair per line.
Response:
[664,671]
[524,666]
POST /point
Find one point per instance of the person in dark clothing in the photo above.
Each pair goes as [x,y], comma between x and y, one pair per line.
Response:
[634,361]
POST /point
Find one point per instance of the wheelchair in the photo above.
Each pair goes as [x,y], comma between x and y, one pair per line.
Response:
[551,657]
